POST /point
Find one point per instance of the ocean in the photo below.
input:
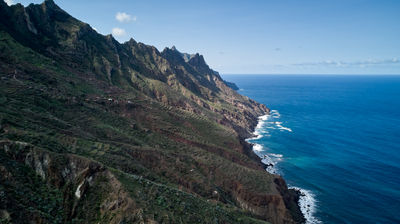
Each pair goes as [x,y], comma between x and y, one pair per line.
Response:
[336,137]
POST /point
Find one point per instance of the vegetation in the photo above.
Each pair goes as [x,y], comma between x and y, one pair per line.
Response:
[122,133]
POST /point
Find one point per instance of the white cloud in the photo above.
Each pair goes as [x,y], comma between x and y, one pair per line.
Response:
[117,32]
[362,64]
[10,2]
[124,17]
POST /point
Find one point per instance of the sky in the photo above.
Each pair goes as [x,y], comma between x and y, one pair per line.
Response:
[258,36]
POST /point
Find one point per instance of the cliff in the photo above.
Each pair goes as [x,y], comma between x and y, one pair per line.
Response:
[122,132]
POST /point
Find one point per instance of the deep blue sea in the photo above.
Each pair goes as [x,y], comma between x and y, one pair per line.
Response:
[336,137]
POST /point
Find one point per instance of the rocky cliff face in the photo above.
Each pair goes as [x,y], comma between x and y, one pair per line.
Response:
[100,122]
[89,191]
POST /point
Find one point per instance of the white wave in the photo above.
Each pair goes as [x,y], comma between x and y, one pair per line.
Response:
[275,114]
[259,130]
[280,127]
[254,138]
[257,133]
[276,155]
[261,123]
[266,159]
[307,205]
[257,147]
[271,164]
[264,117]
[272,170]
[286,129]
[259,126]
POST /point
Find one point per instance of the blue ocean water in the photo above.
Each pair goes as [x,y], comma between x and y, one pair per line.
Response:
[338,137]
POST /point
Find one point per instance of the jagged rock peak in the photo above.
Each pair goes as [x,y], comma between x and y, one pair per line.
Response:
[197,60]
[173,48]
[50,4]
[185,56]
[132,40]
[51,8]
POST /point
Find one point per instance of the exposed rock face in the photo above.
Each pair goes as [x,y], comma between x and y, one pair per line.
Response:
[91,110]
[231,85]
[77,177]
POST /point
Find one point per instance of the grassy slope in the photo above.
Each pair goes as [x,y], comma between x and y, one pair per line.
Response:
[54,109]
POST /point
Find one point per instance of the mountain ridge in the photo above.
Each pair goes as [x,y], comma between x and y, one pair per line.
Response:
[68,90]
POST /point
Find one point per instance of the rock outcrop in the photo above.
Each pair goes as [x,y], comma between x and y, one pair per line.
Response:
[81,180]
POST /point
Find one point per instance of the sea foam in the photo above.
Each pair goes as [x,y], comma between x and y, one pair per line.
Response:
[275,114]
[265,159]
[307,205]
[307,202]
[276,155]
[280,127]
[257,147]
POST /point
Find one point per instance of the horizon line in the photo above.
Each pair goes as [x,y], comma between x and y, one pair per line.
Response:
[356,74]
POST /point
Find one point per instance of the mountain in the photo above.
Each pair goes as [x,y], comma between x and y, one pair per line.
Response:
[185,56]
[231,85]
[198,60]
[94,131]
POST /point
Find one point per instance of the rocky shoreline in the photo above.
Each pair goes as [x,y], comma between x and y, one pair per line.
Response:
[291,195]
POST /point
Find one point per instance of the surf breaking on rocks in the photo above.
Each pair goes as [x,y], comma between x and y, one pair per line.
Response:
[307,201]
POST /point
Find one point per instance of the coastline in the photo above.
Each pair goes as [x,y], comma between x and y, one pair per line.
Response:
[304,198]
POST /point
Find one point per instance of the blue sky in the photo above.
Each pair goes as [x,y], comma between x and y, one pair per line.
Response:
[259,37]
